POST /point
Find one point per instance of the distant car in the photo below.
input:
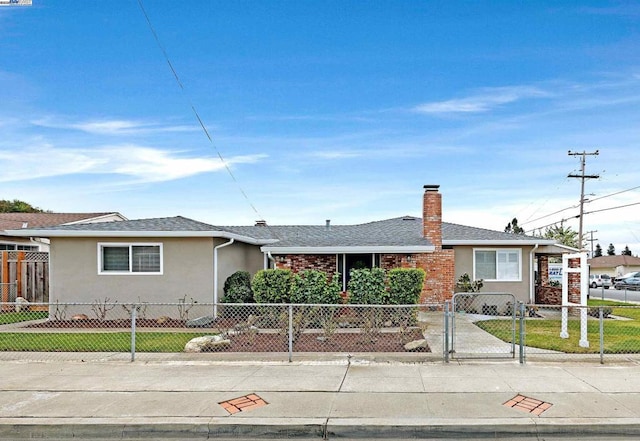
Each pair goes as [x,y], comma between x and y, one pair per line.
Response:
[626,276]
[630,283]
[596,280]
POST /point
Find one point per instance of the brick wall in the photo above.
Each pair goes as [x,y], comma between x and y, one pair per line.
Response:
[300,262]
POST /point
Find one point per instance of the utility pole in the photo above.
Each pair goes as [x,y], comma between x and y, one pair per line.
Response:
[591,239]
[582,176]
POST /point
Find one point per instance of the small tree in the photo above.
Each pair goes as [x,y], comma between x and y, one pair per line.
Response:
[611,251]
[598,251]
[513,227]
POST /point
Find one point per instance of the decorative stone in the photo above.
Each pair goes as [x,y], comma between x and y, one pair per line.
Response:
[416,345]
[22,304]
[163,319]
[79,317]
[206,343]
[200,322]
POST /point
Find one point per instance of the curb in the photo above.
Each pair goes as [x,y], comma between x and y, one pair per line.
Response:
[320,429]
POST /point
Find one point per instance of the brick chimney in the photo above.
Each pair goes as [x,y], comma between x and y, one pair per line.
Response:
[432,215]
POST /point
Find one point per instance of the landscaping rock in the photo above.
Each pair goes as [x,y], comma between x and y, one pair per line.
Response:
[22,304]
[206,343]
[163,319]
[416,345]
[79,317]
[201,322]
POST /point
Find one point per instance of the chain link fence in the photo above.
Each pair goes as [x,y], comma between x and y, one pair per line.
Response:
[483,327]
[186,329]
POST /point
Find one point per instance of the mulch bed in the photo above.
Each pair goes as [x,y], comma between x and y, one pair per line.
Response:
[316,342]
[340,341]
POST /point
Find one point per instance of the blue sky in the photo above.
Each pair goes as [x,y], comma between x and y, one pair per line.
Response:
[336,110]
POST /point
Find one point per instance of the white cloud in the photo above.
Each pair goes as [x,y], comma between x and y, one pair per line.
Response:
[483,101]
[144,164]
[113,126]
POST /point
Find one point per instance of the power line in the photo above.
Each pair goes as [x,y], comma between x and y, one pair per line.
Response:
[582,176]
[587,212]
[575,206]
[193,109]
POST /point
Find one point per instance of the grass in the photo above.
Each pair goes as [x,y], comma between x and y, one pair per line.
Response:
[620,336]
[95,341]
[7,318]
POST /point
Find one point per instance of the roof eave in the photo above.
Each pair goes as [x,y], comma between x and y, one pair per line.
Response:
[168,234]
[488,242]
[348,249]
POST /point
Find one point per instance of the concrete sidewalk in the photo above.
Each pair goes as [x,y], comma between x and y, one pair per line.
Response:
[357,399]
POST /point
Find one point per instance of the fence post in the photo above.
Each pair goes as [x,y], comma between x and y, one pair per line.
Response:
[290,333]
[522,318]
[601,318]
[133,332]
[446,331]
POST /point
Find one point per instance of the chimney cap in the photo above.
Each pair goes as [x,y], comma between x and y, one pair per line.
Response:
[261,223]
[431,187]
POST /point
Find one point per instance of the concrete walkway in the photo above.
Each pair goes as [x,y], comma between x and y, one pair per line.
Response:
[313,399]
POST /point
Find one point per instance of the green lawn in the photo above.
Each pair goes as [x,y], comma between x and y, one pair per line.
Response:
[95,341]
[16,317]
[620,336]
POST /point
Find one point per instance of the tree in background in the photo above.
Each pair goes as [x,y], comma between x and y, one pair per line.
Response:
[611,251]
[16,206]
[626,251]
[565,236]
[598,251]
[512,227]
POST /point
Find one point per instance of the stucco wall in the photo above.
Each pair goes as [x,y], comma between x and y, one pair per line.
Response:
[187,262]
[464,264]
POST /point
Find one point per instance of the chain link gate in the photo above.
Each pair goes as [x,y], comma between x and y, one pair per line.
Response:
[483,325]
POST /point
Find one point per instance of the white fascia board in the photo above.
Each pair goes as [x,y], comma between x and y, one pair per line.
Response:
[348,250]
[488,243]
[124,234]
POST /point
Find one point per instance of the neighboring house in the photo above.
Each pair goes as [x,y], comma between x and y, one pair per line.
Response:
[615,266]
[166,259]
[14,221]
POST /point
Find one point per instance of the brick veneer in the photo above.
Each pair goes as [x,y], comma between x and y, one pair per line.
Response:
[300,262]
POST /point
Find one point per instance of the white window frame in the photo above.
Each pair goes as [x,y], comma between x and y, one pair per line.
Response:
[130,245]
[518,251]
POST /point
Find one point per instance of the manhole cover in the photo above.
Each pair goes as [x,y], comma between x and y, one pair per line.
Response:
[242,404]
[529,405]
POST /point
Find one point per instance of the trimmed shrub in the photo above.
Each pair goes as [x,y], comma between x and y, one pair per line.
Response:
[313,286]
[237,288]
[367,287]
[272,286]
[405,285]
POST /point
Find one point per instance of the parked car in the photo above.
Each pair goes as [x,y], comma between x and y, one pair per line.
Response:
[630,283]
[626,276]
[596,280]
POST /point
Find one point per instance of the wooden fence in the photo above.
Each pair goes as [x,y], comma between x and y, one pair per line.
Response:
[29,271]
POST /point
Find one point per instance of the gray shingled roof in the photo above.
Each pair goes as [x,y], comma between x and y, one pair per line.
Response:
[403,231]
[391,232]
[177,223]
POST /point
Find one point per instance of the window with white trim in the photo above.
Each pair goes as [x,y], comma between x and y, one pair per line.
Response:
[503,265]
[135,258]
